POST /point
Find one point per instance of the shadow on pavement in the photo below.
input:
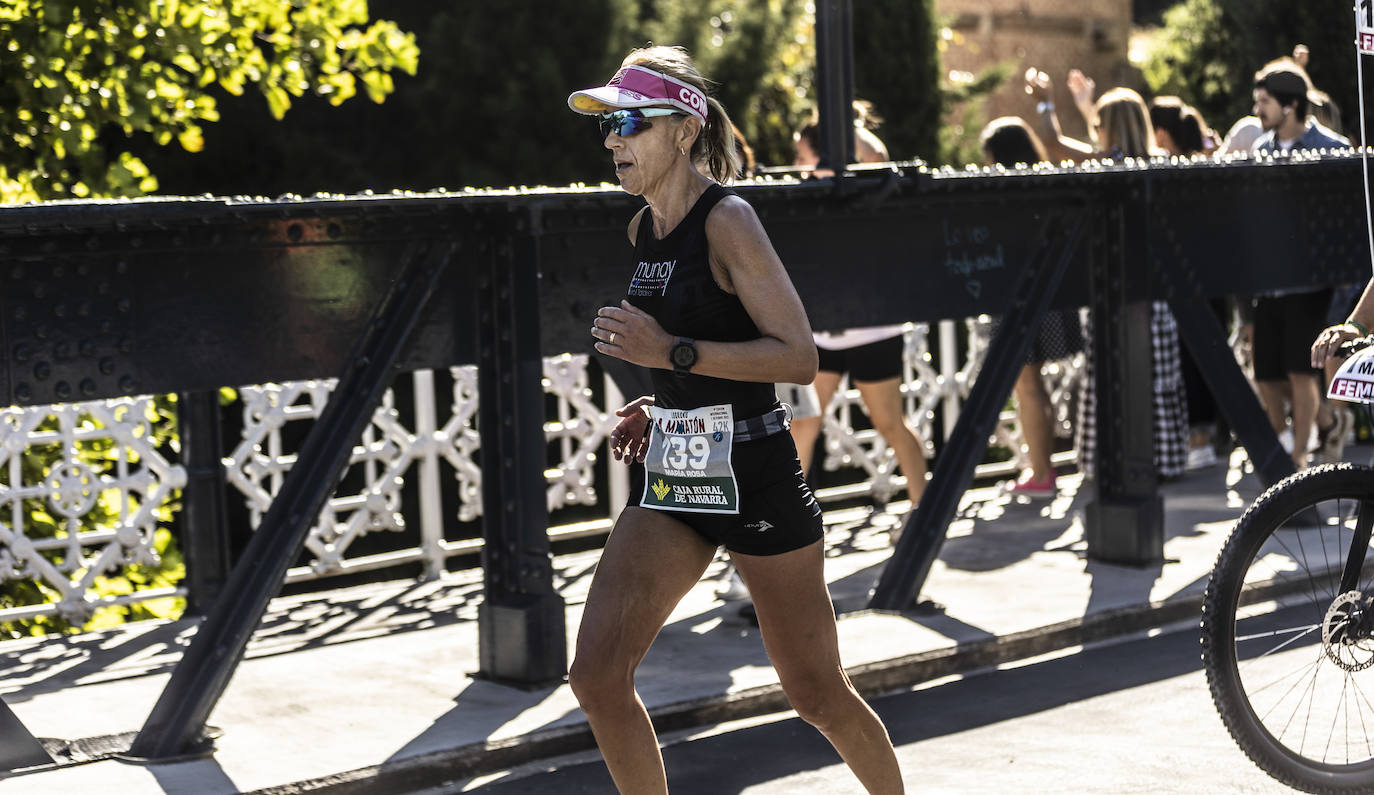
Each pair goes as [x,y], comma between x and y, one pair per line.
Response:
[734,761]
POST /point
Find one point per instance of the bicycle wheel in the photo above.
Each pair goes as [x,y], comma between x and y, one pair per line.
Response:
[1288,630]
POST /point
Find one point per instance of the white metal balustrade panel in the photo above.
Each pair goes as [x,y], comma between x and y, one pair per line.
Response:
[130,479]
[385,455]
[88,512]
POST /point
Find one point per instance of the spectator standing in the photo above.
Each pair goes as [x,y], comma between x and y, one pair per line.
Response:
[1009,141]
[872,356]
[1121,122]
[1180,131]
[1285,319]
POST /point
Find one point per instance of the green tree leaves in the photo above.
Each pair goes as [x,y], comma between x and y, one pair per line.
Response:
[82,76]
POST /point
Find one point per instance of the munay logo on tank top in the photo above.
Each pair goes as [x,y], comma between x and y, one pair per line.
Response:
[651,278]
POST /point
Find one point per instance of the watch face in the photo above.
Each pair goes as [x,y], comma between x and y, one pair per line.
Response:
[684,355]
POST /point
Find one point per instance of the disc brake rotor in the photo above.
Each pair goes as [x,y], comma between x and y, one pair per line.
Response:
[1345,631]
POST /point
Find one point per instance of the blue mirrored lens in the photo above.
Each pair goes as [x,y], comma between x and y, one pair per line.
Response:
[623,123]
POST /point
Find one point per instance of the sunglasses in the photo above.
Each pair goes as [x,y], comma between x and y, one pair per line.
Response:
[631,120]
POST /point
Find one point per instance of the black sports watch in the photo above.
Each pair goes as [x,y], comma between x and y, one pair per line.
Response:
[683,355]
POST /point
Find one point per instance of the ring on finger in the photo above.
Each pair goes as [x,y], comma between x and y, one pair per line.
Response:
[612,339]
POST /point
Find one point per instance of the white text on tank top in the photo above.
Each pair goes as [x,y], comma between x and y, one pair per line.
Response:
[651,278]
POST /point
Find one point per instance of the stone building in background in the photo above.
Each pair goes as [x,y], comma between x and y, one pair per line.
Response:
[1053,35]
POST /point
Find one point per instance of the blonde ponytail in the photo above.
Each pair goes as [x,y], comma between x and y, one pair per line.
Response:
[716,144]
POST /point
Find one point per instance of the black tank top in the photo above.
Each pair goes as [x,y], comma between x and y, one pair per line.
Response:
[673,282]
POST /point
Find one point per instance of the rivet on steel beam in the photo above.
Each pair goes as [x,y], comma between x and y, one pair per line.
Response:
[23,392]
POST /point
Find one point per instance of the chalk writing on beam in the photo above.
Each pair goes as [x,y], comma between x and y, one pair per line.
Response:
[969,251]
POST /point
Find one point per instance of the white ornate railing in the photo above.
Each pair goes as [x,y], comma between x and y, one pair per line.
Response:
[93,509]
[99,462]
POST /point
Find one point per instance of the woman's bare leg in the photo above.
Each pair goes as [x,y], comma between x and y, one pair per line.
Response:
[805,431]
[649,563]
[797,621]
[883,402]
[1037,421]
[1306,400]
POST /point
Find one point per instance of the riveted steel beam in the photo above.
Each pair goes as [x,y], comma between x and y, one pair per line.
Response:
[178,718]
[521,634]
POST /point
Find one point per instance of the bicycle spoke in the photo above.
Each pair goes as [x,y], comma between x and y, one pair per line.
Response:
[1301,672]
[1369,749]
[1327,750]
[1311,581]
[1301,559]
[1258,635]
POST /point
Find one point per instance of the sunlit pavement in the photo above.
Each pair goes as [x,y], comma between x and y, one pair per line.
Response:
[371,689]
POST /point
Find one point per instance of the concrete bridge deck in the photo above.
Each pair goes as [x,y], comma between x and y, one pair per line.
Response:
[370,689]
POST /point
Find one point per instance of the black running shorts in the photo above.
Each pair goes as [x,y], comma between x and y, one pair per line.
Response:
[1285,326]
[778,512]
[875,361]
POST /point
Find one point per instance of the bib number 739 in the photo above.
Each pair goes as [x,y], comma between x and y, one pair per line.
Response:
[682,452]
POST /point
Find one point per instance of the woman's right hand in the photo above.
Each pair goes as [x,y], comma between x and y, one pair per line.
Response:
[1083,88]
[1329,341]
[1039,85]
[630,437]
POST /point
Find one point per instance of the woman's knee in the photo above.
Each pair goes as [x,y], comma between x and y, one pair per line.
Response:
[822,703]
[889,426]
[599,685]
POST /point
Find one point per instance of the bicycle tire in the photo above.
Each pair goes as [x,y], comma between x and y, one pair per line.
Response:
[1257,621]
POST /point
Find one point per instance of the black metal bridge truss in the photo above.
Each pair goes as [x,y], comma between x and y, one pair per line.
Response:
[185,296]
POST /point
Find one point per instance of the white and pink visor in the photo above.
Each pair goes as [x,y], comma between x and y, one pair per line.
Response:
[638,87]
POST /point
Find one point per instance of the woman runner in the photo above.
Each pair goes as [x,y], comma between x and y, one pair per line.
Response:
[711,311]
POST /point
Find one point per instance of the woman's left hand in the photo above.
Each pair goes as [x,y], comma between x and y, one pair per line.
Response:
[628,332]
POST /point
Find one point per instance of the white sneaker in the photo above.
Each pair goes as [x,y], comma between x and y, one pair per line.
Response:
[1201,458]
[732,588]
[1332,445]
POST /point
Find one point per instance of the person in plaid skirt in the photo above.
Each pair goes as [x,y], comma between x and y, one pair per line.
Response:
[1120,121]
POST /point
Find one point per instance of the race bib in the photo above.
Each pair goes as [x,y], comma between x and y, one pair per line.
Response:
[687,467]
[1354,381]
